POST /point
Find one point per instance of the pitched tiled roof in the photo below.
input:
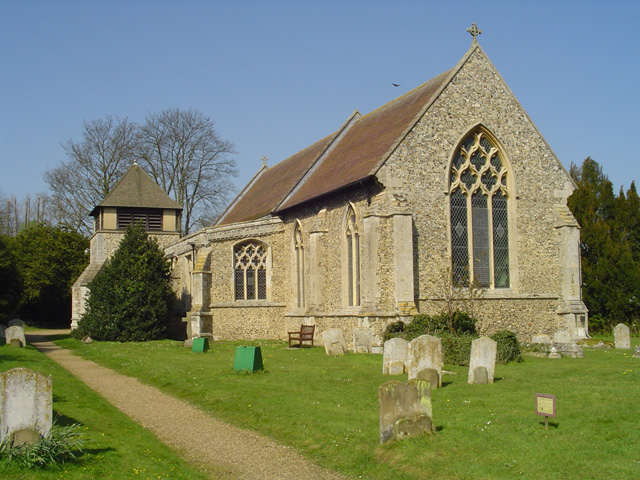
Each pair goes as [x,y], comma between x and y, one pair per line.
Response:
[350,155]
[269,188]
[138,190]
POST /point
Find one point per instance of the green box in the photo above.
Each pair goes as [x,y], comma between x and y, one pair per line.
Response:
[248,359]
[200,345]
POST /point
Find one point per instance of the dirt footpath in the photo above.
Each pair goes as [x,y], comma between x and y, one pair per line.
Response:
[200,437]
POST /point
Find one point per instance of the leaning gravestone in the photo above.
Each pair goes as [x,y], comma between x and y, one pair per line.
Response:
[425,352]
[483,355]
[14,336]
[362,339]
[25,405]
[334,341]
[16,323]
[405,409]
[394,356]
[621,336]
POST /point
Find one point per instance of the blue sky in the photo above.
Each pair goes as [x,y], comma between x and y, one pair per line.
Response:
[276,76]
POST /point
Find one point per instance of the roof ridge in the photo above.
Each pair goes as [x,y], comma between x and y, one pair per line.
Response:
[353,118]
[242,193]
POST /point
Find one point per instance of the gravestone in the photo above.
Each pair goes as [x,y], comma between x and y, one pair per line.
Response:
[16,323]
[376,345]
[483,354]
[480,376]
[25,405]
[543,338]
[424,352]
[405,409]
[636,352]
[621,336]
[429,375]
[362,339]
[571,350]
[554,353]
[562,336]
[334,341]
[14,336]
[394,356]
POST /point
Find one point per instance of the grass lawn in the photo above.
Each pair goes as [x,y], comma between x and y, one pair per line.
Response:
[327,407]
[114,446]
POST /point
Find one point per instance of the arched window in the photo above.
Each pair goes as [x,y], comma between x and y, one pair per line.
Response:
[352,238]
[298,248]
[478,200]
[250,269]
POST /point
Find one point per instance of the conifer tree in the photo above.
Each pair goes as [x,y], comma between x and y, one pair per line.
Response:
[130,299]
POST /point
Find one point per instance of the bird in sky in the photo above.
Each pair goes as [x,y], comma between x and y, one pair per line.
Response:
[395,84]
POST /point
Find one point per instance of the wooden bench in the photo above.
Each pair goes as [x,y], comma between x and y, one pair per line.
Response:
[304,335]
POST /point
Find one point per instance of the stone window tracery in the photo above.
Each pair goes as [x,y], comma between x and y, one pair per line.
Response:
[478,202]
[352,237]
[250,271]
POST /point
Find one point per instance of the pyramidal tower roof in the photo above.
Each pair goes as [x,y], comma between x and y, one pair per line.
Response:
[136,189]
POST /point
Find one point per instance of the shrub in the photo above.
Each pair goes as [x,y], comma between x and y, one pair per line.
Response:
[54,449]
[508,347]
[393,330]
[457,348]
[130,299]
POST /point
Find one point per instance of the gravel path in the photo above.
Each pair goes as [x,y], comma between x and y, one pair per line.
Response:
[200,437]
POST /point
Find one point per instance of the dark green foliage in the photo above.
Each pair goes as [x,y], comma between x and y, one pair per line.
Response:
[393,330]
[610,247]
[9,280]
[48,261]
[55,449]
[508,347]
[457,348]
[130,298]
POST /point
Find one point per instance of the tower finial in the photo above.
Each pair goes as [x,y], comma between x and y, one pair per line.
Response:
[474,31]
[264,160]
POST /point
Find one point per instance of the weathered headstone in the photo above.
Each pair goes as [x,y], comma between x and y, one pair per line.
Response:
[543,338]
[554,353]
[483,354]
[424,352]
[394,356]
[16,322]
[25,405]
[14,336]
[562,336]
[571,350]
[376,345]
[636,352]
[430,375]
[405,409]
[334,341]
[362,339]
[622,336]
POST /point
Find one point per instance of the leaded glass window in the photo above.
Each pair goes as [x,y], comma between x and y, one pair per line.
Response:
[479,214]
[353,258]
[298,247]
[250,269]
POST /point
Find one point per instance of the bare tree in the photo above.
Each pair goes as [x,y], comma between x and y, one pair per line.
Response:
[185,155]
[95,165]
[15,215]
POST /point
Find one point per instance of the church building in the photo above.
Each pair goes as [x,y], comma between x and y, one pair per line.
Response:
[449,190]
[447,194]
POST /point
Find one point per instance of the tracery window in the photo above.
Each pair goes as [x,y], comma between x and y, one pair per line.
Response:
[478,196]
[352,238]
[250,268]
[298,247]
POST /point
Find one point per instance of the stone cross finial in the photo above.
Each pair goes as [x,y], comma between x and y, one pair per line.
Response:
[474,31]
[264,160]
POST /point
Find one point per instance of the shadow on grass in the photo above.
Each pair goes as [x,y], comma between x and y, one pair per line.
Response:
[551,424]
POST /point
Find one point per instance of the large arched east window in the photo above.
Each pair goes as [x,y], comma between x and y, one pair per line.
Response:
[298,247]
[479,215]
[352,239]
[250,270]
